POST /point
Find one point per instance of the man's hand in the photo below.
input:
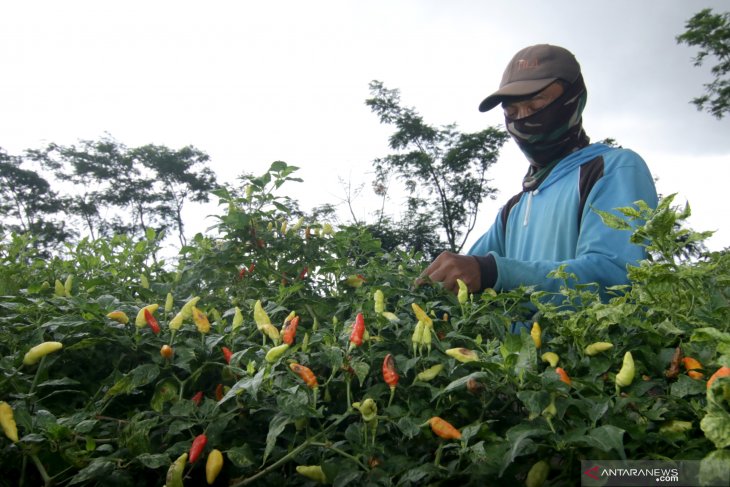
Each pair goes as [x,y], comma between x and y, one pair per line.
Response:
[448,267]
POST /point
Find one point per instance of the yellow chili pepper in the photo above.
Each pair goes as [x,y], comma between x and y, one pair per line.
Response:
[140,321]
[213,466]
[598,347]
[625,376]
[39,351]
[463,355]
[200,320]
[118,316]
[536,334]
[550,357]
[7,421]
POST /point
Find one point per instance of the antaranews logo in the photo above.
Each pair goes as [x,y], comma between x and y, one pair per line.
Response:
[593,472]
[645,473]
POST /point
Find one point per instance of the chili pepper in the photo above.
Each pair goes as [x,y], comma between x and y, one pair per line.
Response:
[673,370]
[358,329]
[723,371]
[166,351]
[200,320]
[175,472]
[305,373]
[355,280]
[417,336]
[169,303]
[379,299]
[143,281]
[305,343]
[327,229]
[597,347]
[283,227]
[118,316]
[33,355]
[426,337]
[444,429]
[177,321]
[474,386]
[430,373]
[276,352]
[625,376]
[270,331]
[7,421]
[536,334]
[389,373]
[260,316]
[463,355]
[563,375]
[187,309]
[307,233]
[390,316]
[463,295]
[289,330]
[312,472]
[421,315]
[58,289]
[691,365]
[219,392]
[550,357]
[675,427]
[197,398]
[252,267]
[298,224]
[538,474]
[368,409]
[550,410]
[303,273]
[237,319]
[68,284]
[152,322]
[140,321]
[197,447]
[227,354]
[213,466]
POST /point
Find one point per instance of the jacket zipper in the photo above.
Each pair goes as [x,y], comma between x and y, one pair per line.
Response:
[529,207]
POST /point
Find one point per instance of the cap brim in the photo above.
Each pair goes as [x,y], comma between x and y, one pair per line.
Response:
[514,89]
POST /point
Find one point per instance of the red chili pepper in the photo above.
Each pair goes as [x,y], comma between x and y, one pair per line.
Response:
[563,375]
[358,329]
[219,392]
[197,447]
[303,273]
[227,354]
[444,429]
[306,374]
[197,398]
[152,321]
[251,267]
[389,374]
[290,330]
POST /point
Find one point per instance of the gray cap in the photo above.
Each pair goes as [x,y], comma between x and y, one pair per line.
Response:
[531,70]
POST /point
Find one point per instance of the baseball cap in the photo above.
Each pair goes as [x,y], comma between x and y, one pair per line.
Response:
[531,70]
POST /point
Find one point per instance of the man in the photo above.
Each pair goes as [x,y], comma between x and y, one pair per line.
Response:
[552,222]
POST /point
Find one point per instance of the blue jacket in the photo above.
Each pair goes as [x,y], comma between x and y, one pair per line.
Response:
[551,225]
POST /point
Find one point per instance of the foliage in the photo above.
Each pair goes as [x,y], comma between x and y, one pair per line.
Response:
[444,170]
[103,188]
[711,33]
[109,409]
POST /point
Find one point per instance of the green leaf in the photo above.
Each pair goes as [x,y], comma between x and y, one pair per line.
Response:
[98,469]
[276,427]
[138,377]
[408,426]
[520,442]
[248,384]
[461,382]
[154,460]
[687,386]
[607,438]
[241,456]
[361,371]
[716,425]
[714,468]
[710,334]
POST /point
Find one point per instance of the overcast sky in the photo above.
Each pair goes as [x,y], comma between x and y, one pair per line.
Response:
[251,82]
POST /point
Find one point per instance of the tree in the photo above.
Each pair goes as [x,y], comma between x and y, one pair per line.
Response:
[29,205]
[444,170]
[124,190]
[711,33]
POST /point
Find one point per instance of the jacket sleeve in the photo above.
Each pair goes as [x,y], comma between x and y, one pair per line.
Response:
[602,253]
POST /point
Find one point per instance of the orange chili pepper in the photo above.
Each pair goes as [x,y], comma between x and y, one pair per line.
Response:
[444,429]
[306,374]
[691,365]
[563,375]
